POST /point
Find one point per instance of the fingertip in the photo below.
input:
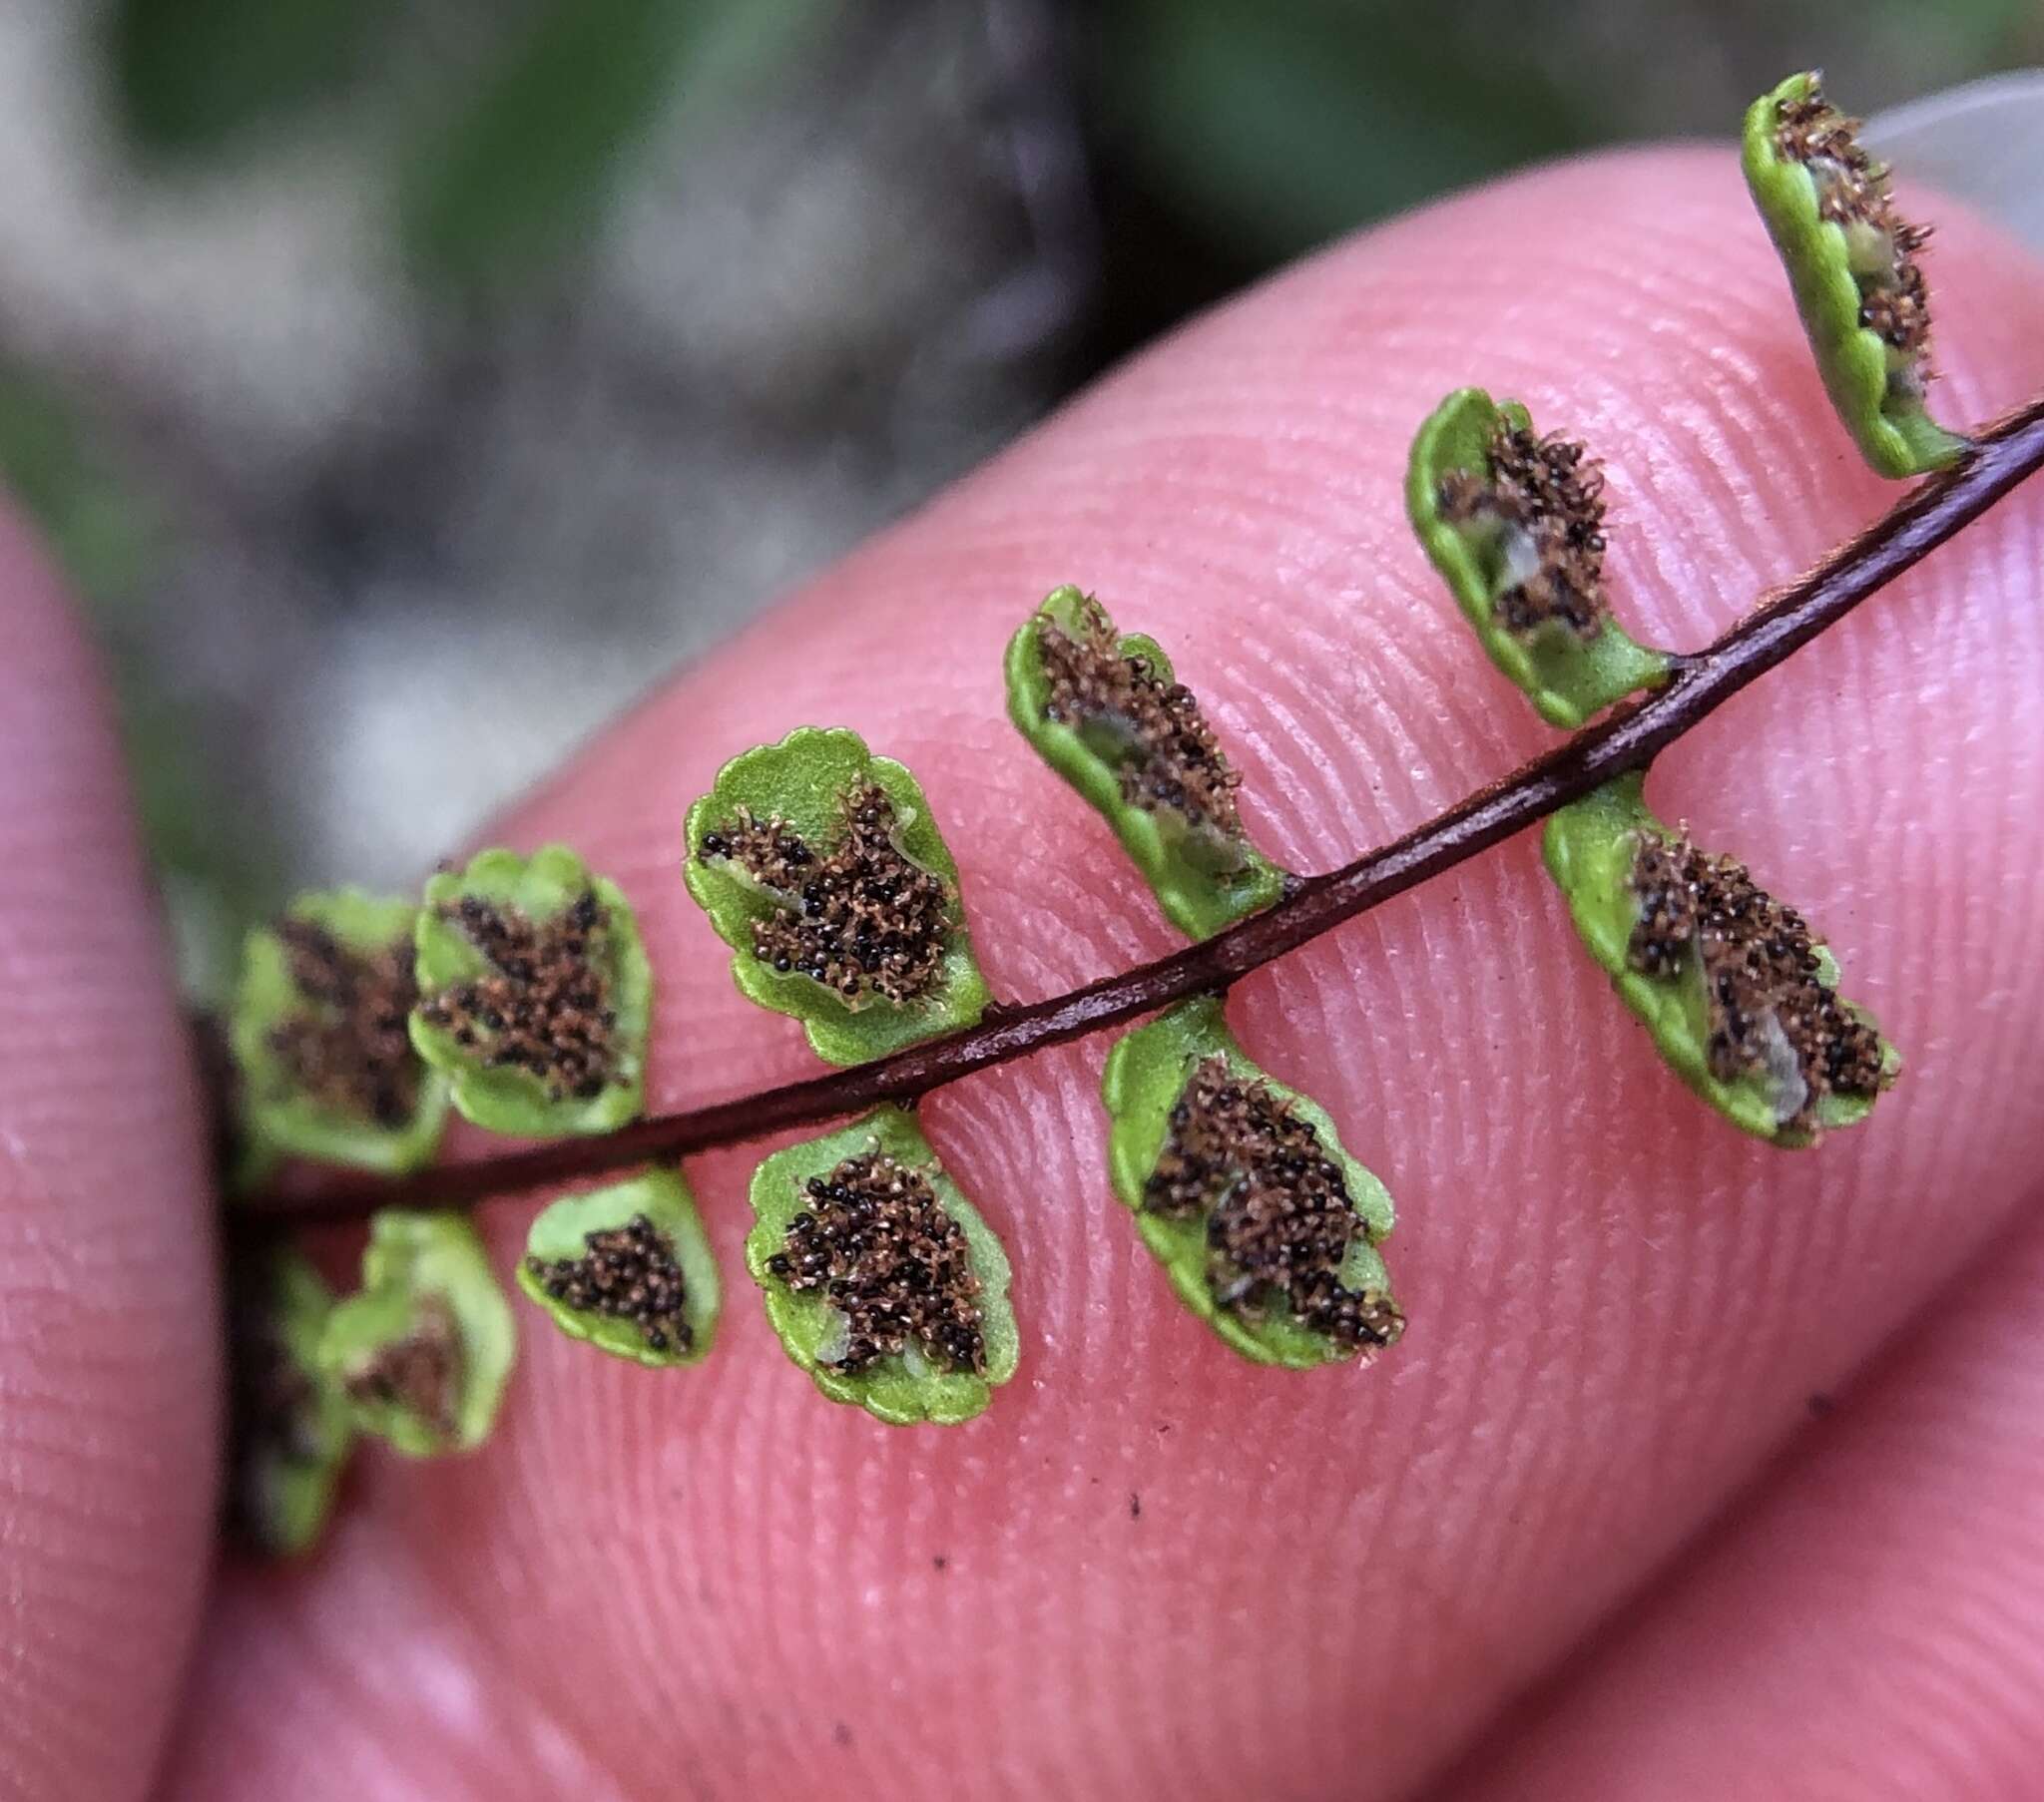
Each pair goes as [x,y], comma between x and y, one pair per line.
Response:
[1611,1294]
[107,1327]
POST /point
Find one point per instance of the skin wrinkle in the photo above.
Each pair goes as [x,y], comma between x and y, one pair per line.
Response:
[662,1484]
[1915,1602]
[1275,811]
[1704,559]
[462,1688]
[356,1689]
[1531,1462]
[1484,894]
[1785,1264]
[1060,938]
[1772,1278]
[1076,1285]
[1842,1239]
[105,1340]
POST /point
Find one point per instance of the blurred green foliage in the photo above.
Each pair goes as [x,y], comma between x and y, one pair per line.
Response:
[1278,122]
[110,538]
[510,164]
[1271,126]
[100,529]
[505,178]
[191,76]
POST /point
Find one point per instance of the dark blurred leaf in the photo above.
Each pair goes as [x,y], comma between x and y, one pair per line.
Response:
[522,169]
[189,75]
[110,538]
[1972,31]
[1285,122]
[99,529]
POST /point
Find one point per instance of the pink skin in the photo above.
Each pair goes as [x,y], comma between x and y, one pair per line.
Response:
[1866,1628]
[107,1337]
[716,1584]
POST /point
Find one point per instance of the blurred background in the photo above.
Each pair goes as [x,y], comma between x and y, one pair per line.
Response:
[405,383]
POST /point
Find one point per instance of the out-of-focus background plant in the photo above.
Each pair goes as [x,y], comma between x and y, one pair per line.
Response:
[403,382]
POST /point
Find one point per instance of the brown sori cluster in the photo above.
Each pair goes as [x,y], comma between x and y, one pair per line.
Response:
[1279,1221]
[347,1048]
[421,1372]
[628,1273]
[1547,490]
[272,1404]
[864,919]
[545,1006]
[879,1244]
[1169,756]
[1852,190]
[1760,966]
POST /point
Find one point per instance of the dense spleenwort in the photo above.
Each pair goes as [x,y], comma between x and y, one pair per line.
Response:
[1545,497]
[347,1048]
[1851,261]
[272,1418]
[864,919]
[1853,194]
[629,1273]
[544,1007]
[422,1350]
[880,1276]
[420,1371]
[880,1279]
[1280,1218]
[873,1239]
[535,993]
[821,865]
[1267,1227]
[324,1065]
[1738,991]
[1768,1009]
[288,1432]
[1107,713]
[1167,755]
[626,1269]
[1513,520]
